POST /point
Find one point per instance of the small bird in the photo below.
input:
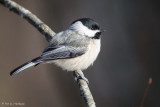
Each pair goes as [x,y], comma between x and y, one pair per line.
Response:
[73,49]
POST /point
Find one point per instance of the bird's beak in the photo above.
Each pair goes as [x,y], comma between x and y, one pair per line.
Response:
[102,30]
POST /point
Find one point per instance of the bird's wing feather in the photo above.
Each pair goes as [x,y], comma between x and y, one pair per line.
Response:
[61,52]
[70,46]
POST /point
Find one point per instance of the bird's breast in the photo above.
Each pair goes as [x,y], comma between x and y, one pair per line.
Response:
[81,62]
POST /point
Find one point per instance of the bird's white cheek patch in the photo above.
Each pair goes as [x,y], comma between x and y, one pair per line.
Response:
[89,32]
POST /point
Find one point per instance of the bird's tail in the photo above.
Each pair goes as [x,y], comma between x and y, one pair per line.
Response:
[26,65]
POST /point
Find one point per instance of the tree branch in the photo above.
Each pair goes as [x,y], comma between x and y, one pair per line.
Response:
[84,90]
[31,18]
[48,33]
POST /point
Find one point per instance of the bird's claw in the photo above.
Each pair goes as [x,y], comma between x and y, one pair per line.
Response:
[81,77]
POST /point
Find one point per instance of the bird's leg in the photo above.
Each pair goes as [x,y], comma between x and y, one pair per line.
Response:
[79,75]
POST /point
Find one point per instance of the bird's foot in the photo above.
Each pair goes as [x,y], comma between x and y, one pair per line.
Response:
[81,76]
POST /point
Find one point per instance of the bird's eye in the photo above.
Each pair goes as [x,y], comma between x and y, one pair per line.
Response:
[94,27]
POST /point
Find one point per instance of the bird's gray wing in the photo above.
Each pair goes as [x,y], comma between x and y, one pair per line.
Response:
[65,45]
[61,52]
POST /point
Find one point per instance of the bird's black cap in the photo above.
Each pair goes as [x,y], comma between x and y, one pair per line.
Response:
[90,23]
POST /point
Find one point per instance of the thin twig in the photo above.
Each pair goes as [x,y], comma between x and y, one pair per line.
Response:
[48,33]
[146,92]
[31,18]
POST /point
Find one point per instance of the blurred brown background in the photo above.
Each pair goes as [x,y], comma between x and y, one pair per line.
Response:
[130,54]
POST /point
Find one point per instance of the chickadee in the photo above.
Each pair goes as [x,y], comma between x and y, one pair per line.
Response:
[75,48]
